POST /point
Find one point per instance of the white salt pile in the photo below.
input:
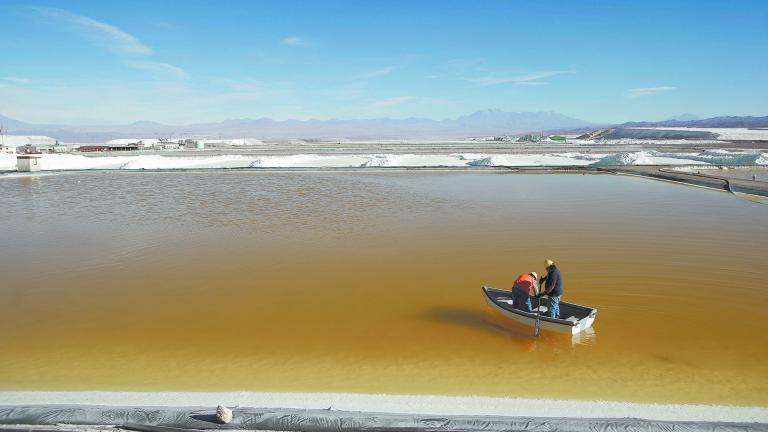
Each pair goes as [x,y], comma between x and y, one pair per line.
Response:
[64,162]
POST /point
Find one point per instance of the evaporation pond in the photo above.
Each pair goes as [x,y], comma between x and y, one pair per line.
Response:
[370,282]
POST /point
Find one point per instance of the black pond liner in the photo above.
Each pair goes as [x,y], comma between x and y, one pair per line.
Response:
[158,419]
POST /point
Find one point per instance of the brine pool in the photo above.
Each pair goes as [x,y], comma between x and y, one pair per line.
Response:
[370,282]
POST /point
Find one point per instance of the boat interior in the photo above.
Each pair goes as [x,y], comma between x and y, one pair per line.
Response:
[568,311]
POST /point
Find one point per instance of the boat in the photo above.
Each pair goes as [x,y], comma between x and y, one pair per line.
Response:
[574,318]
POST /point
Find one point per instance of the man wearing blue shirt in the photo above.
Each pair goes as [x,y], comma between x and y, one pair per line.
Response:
[552,287]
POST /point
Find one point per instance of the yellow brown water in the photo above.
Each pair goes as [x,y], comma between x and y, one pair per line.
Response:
[370,282]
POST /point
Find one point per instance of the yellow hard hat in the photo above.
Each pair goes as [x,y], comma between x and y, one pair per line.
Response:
[548,263]
[535,275]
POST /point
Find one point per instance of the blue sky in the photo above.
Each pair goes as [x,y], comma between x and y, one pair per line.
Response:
[101,62]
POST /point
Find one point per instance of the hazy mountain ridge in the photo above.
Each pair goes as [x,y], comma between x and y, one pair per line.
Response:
[714,122]
[485,122]
[480,123]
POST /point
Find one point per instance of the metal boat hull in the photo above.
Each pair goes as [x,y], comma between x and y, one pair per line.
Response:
[577,318]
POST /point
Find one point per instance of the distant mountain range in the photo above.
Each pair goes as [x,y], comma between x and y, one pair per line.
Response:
[714,122]
[683,117]
[480,123]
[486,122]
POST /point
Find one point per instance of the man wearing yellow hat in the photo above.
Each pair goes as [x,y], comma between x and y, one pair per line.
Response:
[552,287]
[522,290]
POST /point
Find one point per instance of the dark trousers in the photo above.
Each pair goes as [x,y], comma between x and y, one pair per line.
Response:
[521,300]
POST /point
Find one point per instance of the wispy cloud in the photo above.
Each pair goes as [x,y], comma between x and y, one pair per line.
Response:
[465,63]
[390,102]
[533,78]
[648,91]
[253,87]
[531,83]
[114,38]
[16,80]
[377,72]
[158,68]
[293,41]
[133,52]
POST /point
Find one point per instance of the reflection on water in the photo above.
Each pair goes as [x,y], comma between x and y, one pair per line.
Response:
[370,282]
[586,337]
[518,335]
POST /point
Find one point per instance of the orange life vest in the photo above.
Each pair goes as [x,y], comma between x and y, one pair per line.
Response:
[525,283]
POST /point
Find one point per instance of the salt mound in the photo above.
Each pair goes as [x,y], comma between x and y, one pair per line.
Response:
[717,152]
[154,162]
[162,162]
[60,162]
[724,157]
[583,156]
[733,158]
[411,160]
[637,158]
[467,156]
[313,161]
[494,160]
[379,160]
[20,140]
[7,162]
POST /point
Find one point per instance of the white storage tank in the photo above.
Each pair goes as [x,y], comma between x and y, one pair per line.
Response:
[28,163]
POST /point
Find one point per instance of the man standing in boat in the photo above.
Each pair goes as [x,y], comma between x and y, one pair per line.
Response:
[522,290]
[552,287]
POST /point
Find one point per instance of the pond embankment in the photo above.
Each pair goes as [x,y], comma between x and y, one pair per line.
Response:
[709,178]
[561,417]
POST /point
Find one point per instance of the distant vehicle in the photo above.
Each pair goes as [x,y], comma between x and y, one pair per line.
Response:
[576,318]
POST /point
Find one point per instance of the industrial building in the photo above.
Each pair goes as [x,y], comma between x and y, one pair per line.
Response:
[107,148]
